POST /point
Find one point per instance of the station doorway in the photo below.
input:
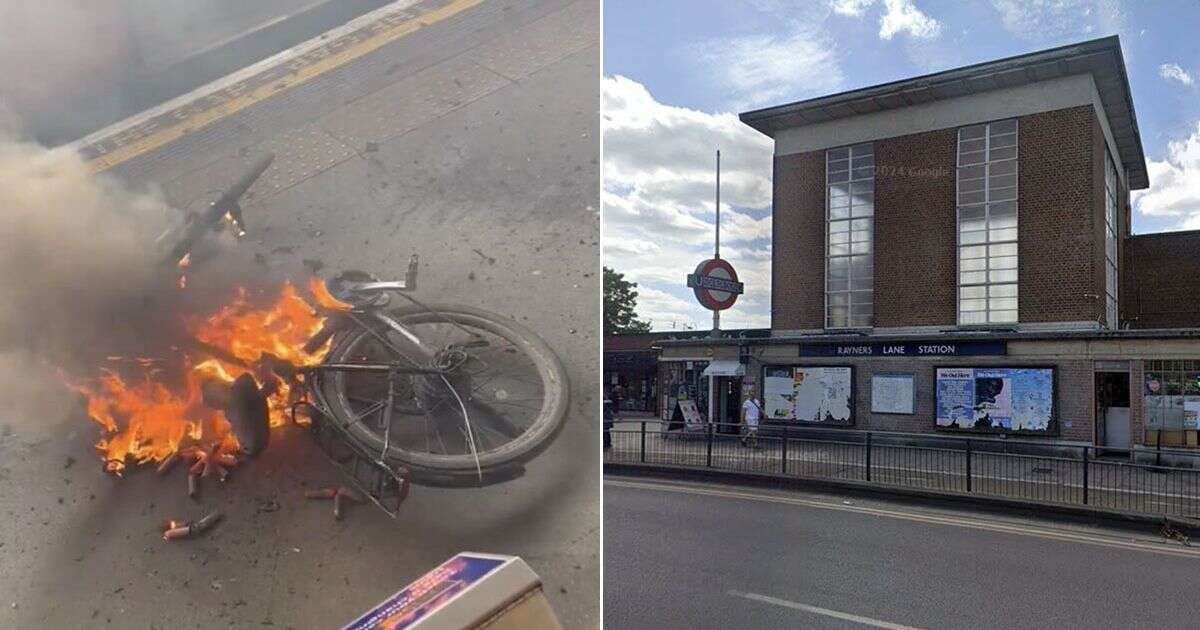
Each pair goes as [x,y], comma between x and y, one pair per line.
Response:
[1112,410]
[726,401]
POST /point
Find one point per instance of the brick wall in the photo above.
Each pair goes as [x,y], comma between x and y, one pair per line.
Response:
[1161,279]
[1061,231]
[1056,217]
[636,341]
[915,223]
[798,242]
[1137,402]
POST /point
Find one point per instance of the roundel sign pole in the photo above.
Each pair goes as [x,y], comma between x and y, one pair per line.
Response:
[716,286]
[715,282]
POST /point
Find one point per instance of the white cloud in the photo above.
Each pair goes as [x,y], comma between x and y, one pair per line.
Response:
[1059,19]
[1172,71]
[902,16]
[764,69]
[658,204]
[853,8]
[1174,193]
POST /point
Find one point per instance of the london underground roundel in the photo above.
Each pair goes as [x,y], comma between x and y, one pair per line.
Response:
[716,284]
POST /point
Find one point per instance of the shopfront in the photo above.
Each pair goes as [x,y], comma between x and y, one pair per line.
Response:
[1171,407]
[1114,390]
[631,380]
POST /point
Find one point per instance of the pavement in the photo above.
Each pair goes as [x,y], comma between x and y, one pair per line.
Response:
[684,555]
[465,131]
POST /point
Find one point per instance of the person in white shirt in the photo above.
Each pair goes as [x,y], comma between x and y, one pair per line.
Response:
[751,411]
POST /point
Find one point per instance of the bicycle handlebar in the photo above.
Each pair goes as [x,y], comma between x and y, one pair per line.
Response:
[226,204]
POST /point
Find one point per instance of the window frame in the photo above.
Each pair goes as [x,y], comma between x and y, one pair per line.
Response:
[1112,219]
[850,322]
[1169,373]
[986,206]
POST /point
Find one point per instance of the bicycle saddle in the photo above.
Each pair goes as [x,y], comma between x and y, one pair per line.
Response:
[358,288]
[363,289]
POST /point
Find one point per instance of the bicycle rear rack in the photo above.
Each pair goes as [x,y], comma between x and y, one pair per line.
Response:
[384,485]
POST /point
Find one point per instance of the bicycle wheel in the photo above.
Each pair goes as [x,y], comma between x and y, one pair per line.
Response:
[500,399]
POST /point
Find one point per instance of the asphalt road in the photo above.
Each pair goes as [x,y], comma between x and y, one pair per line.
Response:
[681,555]
[471,141]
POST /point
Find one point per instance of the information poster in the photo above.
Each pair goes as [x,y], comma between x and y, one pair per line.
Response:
[808,394]
[1154,411]
[892,393]
[1191,412]
[995,399]
[691,415]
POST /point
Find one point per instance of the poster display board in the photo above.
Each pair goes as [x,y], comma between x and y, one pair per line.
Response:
[691,415]
[1171,413]
[808,394]
[1191,413]
[995,399]
[892,393]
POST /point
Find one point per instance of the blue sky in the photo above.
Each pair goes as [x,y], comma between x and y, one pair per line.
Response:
[677,70]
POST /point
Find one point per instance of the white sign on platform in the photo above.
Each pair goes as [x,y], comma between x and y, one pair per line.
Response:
[892,393]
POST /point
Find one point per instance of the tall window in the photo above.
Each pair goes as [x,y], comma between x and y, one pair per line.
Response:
[987,223]
[1110,241]
[850,223]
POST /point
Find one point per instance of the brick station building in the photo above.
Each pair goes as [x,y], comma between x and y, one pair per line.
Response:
[952,254]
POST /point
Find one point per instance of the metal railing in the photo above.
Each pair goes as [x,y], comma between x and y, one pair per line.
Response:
[1009,468]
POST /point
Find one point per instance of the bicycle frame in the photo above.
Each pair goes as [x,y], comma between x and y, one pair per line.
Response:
[386,486]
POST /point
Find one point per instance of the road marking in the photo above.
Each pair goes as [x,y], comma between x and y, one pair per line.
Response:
[954,521]
[206,107]
[866,621]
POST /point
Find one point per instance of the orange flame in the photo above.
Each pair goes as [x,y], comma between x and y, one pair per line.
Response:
[324,298]
[149,419]
[249,333]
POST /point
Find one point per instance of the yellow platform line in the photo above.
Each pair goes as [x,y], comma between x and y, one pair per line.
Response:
[298,76]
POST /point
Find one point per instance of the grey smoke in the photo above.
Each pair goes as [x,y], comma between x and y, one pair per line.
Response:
[76,249]
[81,277]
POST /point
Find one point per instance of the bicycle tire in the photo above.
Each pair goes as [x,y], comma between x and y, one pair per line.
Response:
[536,438]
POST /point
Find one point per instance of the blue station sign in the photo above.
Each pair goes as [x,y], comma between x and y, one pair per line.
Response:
[905,349]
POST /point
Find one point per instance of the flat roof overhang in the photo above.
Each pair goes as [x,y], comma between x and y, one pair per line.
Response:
[948,336]
[1101,58]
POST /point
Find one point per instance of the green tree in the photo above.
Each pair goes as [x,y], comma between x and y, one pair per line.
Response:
[620,305]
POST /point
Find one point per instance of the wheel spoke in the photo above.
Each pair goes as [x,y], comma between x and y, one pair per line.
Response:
[494,397]
[378,405]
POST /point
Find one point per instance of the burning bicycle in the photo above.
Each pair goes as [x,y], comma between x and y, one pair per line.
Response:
[392,389]
[449,394]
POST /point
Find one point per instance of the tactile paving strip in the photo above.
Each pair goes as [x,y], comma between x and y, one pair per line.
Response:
[299,154]
[542,43]
[411,102]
